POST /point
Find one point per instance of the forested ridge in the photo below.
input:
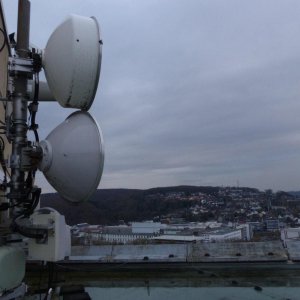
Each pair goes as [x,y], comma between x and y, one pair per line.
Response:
[109,206]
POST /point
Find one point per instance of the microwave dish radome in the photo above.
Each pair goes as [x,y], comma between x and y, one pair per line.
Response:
[72,61]
[73,157]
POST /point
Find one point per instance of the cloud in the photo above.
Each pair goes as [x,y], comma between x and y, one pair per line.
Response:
[195,92]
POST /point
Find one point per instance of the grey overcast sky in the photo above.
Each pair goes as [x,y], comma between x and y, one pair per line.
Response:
[196,92]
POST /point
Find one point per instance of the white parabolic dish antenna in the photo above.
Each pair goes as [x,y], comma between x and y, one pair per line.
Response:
[73,157]
[72,61]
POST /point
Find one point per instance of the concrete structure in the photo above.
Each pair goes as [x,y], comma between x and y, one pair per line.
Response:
[293,249]
[198,252]
[132,253]
[290,233]
[238,251]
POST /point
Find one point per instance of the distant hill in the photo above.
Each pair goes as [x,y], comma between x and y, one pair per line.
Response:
[108,206]
[105,207]
[295,193]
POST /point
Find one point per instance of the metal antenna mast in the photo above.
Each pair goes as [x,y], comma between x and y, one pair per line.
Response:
[48,235]
[19,99]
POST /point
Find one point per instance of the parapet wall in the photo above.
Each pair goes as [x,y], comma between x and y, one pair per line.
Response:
[199,252]
[239,252]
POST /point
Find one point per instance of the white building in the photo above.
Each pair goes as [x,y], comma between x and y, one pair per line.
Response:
[225,235]
[214,236]
[149,230]
[120,238]
[247,232]
[148,227]
[290,234]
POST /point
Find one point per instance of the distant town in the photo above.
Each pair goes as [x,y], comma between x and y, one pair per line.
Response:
[195,214]
[186,226]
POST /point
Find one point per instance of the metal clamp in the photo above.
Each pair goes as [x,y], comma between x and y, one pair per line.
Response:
[20,65]
[30,158]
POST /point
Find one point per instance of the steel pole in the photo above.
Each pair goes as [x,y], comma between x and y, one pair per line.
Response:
[20,98]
